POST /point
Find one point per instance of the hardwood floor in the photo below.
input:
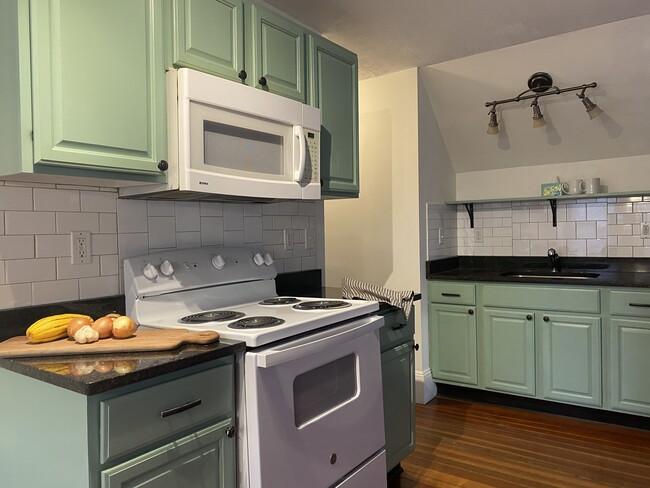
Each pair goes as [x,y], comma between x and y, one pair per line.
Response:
[479,445]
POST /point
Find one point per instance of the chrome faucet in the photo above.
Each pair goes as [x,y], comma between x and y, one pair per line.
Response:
[555,260]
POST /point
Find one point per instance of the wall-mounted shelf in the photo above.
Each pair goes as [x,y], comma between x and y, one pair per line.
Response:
[469,204]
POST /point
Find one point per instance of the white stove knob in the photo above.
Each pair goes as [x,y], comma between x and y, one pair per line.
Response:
[259,260]
[268,260]
[166,268]
[150,272]
[218,262]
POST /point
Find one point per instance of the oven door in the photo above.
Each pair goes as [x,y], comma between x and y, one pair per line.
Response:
[314,408]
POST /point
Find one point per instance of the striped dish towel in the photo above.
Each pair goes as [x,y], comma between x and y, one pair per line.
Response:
[358,289]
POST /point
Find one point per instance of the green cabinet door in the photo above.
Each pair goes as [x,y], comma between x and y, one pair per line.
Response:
[334,89]
[630,364]
[98,84]
[398,381]
[276,54]
[452,343]
[209,36]
[570,358]
[509,350]
[205,458]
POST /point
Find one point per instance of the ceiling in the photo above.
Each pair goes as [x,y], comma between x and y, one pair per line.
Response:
[390,35]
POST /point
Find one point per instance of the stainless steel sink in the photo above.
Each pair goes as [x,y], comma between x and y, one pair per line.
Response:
[550,275]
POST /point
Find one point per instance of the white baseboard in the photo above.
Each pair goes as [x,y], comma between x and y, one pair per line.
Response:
[425,388]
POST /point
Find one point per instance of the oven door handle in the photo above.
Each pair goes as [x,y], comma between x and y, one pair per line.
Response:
[329,339]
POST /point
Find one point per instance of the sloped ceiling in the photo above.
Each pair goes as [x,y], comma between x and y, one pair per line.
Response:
[392,35]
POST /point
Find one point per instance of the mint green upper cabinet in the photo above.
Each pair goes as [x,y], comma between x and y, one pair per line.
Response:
[98,84]
[509,350]
[209,36]
[334,89]
[570,358]
[276,54]
[452,343]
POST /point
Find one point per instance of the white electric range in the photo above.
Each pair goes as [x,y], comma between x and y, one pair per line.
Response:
[308,387]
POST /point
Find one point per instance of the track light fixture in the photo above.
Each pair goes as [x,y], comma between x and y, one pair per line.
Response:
[541,85]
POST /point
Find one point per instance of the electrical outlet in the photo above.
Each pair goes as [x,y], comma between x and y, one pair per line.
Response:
[645,230]
[80,247]
[441,237]
[310,241]
[478,236]
[288,239]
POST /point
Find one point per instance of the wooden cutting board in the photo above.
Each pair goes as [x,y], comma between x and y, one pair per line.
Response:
[143,340]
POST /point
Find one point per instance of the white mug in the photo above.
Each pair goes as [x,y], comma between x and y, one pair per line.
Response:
[593,185]
[574,187]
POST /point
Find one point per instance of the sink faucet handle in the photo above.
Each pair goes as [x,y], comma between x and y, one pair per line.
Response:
[551,252]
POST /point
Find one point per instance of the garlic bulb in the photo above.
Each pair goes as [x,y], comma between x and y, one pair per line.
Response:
[86,335]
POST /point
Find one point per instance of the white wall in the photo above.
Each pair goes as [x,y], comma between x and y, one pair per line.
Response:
[378,237]
[614,146]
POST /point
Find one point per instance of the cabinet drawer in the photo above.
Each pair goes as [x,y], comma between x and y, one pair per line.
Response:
[396,330]
[163,410]
[446,292]
[631,303]
[554,298]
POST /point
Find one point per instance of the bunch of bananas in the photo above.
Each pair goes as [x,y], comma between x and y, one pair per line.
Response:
[51,328]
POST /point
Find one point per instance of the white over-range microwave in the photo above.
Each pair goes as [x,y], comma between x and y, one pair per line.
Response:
[231,141]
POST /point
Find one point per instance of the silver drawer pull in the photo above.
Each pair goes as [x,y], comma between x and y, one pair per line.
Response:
[645,305]
[181,408]
[399,326]
[456,295]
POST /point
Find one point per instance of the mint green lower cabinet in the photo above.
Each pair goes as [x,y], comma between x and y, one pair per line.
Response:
[204,458]
[452,343]
[79,441]
[570,358]
[630,365]
[509,350]
[398,382]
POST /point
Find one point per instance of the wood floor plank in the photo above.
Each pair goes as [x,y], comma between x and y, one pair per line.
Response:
[475,445]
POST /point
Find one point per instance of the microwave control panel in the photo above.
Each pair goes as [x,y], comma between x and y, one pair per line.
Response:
[313,152]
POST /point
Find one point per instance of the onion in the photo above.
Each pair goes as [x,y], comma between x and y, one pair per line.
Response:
[112,316]
[76,324]
[124,327]
[104,366]
[124,367]
[104,326]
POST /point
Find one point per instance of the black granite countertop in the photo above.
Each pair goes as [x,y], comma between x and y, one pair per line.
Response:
[97,373]
[620,272]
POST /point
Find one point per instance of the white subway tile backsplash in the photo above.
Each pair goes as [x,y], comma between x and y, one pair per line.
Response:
[134,244]
[67,222]
[53,246]
[233,216]
[162,232]
[160,208]
[65,269]
[188,217]
[188,240]
[109,265]
[253,229]
[16,198]
[14,296]
[98,201]
[211,209]
[26,223]
[29,270]
[211,231]
[16,247]
[233,237]
[131,216]
[108,223]
[98,286]
[55,291]
[102,244]
[47,199]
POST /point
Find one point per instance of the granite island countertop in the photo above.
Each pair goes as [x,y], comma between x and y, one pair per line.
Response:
[619,272]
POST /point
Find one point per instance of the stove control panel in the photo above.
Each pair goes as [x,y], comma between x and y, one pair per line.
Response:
[183,269]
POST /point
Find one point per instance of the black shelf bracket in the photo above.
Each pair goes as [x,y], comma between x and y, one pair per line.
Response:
[470,211]
[554,211]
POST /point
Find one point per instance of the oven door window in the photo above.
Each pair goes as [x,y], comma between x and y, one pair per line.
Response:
[225,142]
[324,388]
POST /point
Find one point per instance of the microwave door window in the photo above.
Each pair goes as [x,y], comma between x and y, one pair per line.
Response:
[240,149]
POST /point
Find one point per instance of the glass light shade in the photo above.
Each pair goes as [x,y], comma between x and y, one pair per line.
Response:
[538,117]
[493,125]
[592,109]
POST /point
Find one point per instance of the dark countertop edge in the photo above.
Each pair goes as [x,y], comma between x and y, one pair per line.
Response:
[185,357]
[615,272]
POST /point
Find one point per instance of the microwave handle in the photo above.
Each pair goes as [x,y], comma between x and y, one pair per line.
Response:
[300,134]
